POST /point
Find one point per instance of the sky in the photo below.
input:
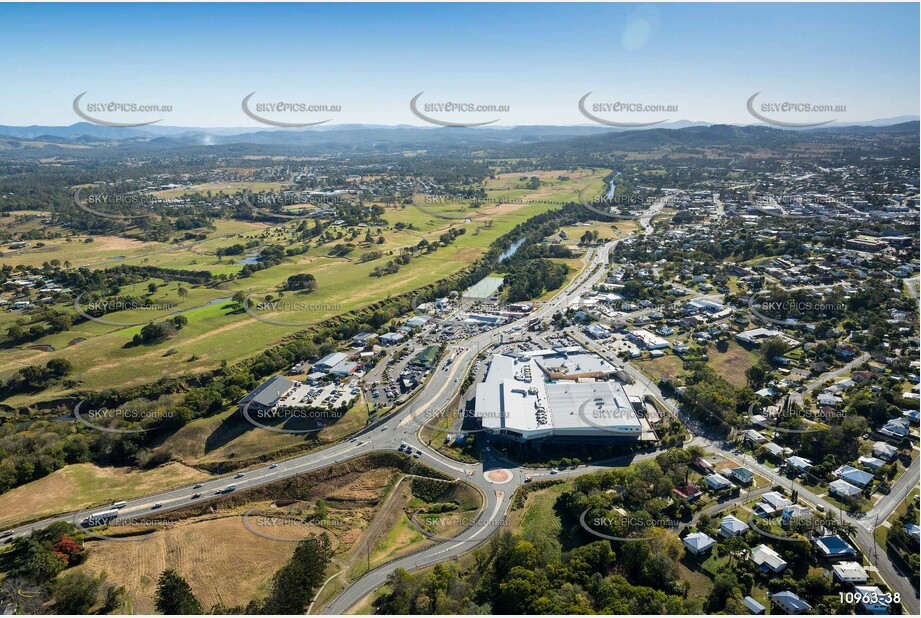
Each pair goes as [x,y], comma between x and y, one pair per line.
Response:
[701,62]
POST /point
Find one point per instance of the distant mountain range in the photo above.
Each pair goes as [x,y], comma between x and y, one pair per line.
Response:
[89,138]
[307,135]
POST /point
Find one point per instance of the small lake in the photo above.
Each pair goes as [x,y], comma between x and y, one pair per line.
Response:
[251,259]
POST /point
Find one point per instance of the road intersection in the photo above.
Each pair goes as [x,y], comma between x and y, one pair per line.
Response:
[444,384]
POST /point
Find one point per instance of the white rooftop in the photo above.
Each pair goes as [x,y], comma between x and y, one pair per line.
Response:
[515,397]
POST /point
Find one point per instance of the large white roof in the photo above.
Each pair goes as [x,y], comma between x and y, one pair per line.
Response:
[515,397]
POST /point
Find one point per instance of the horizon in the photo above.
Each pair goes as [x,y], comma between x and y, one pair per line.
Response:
[365,63]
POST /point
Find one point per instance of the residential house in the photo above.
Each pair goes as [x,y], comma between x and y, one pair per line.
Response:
[741,475]
[698,543]
[872,463]
[754,606]
[718,482]
[834,547]
[771,503]
[850,573]
[732,526]
[768,560]
[794,512]
[884,451]
[688,491]
[789,603]
[843,489]
[854,476]
[798,464]
[872,600]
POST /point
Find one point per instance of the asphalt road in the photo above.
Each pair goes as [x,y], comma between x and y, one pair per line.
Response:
[440,389]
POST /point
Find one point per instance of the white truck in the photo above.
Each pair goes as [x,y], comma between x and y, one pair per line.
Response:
[101,518]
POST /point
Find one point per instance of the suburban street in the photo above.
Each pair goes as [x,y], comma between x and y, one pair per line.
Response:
[441,388]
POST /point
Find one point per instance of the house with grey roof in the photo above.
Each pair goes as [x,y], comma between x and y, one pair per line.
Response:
[789,603]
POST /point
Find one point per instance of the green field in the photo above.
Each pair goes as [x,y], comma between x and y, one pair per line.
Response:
[220,331]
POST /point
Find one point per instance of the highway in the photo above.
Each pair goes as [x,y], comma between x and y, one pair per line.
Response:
[441,388]
[385,436]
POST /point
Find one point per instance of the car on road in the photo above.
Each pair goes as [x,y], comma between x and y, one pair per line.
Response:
[195,496]
[120,504]
[554,471]
[417,455]
[156,506]
[273,466]
[6,534]
[239,475]
[197,486]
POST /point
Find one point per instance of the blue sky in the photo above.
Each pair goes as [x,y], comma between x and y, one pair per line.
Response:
[538,59]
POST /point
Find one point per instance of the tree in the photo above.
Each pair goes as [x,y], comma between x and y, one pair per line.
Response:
[75,593]
[772,348]
[174,595]
[302,281]
[295,584]
[239,298]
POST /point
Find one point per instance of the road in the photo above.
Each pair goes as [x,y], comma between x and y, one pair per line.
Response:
[831,375]
[441,388]
[383,436]
[863,524]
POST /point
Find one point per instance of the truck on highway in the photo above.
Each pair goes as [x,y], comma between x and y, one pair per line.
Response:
[101,518]
[227,490]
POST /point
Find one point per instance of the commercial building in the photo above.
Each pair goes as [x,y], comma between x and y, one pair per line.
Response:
[536,397]
[329,361]
[643,337]
[267,394]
